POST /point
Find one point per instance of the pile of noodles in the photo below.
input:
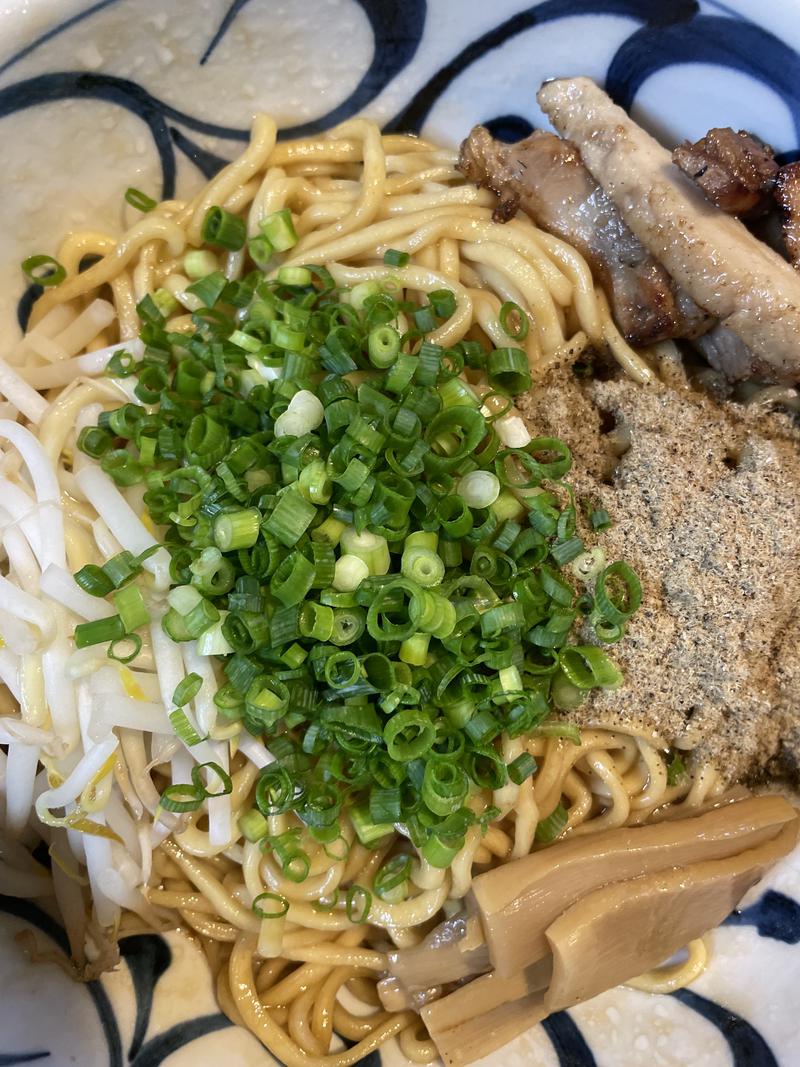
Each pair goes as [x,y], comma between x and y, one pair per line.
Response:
[353,193]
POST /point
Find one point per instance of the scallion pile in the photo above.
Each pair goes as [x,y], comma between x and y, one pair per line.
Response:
[388,586]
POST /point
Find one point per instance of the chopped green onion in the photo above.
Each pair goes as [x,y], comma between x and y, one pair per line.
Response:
[566,551]
[618,593]
[274,790]
[125,649]
[479,489]
[367,831]
[183,728]
[587,565]
[508,371]
[521,768]
[408,735]
[371,548]
[389,568]
[270,905]
[165,302]
[443,302]
[299,276]
[600,520]
[245,341]
[208,288]
[94,441]
[385,804]
[183,598]
[414,649]
[181,798]
[292,579]
[425,319]
[422,566]
[94,580]
[314,483]
[199,263]
[237,529]
[349,572]
[260,250]
[393,873]
[222,775]
[384,346]
[253,825]
[510,312]
[482,728]
[676,770]
[440,849]
[393,258]
[279,230]
[132,609]
[553,826]
[291,517]
[99,631]
[358,904]
[316,621]
[444,787]
[43,270]
[139,200]
[121,365]
[587,666]
[223,229]
[187,689]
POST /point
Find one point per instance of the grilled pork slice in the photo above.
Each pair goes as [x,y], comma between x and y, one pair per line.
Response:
[726,352]
[726,270]
[545,177]
[787,193]
[736,171]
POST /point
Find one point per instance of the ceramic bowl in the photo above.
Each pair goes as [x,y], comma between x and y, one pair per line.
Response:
[97,97]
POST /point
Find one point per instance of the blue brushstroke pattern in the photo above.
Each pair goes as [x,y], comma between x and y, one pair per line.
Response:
[148,957]
[732,43]
[208,163]
[158,1048]
[54,31]
[30,913]
[567,1040]
[748,1047]
[397,30]
[24,308]
[25,305]
[509,128]
[47,88]
[10,1059]
[372,1060]
[774,915]
[63,85]
[224,26]
[654,12]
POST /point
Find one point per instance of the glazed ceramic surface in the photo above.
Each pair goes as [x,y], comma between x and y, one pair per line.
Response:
[159,94]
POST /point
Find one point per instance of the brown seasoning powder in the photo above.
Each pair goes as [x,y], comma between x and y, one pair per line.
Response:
[705,501]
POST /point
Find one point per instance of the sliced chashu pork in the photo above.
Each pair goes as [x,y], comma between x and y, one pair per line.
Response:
[544,176]
[726,270]
[739,173]
[735,170]
[787,193]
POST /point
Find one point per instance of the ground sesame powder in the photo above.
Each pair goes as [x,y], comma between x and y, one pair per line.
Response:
[705,499]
